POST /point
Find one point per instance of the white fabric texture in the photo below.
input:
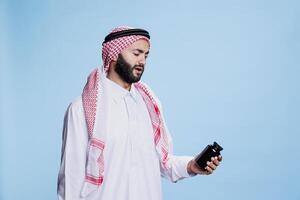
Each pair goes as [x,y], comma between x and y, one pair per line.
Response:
[131,161]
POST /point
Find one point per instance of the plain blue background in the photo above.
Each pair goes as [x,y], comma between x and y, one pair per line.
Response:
[225,71]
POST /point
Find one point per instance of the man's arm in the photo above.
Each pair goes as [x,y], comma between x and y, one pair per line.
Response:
[177,165]
[75,138]
[184,166]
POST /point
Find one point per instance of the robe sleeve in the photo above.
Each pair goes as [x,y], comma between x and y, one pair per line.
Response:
[177,169]
[177,165]
[73,156]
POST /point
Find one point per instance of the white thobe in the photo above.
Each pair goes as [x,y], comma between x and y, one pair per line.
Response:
[131,164]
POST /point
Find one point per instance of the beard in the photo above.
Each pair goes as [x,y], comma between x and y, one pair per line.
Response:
[125,70]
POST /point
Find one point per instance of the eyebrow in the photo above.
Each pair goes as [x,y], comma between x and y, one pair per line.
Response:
[140,51]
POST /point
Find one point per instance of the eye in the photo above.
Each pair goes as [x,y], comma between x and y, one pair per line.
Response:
[136,54]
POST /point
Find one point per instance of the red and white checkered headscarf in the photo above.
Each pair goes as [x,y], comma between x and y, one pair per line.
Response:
[111,49]
[95,109]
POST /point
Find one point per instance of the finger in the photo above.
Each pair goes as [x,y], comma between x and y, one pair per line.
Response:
[215,160]
[211,165]
[200,171]
[206,172]
[220,158]
[209,170]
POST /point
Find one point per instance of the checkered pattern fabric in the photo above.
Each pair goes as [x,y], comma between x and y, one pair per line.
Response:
[160,136]
[89,99]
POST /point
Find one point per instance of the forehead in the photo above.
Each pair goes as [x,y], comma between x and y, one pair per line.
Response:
[139,44]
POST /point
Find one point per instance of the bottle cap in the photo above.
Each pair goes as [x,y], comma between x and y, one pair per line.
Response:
[217,147]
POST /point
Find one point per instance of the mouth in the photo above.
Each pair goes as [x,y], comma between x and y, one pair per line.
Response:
[139,69]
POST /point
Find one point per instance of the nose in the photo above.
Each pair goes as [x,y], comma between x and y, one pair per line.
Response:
[142,61]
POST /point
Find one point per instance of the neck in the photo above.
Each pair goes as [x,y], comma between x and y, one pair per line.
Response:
[113,76]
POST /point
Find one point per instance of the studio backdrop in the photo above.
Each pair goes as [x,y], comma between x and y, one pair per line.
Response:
[225,71]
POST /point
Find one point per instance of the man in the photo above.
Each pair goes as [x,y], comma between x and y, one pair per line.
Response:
[116,145]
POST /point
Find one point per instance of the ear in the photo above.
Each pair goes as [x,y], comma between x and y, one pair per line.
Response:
[113,62]
[115,58]
[112,66]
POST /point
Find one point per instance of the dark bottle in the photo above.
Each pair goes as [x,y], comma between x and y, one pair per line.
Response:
[207,153]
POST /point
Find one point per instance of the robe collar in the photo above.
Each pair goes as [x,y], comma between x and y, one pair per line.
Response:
[118,93]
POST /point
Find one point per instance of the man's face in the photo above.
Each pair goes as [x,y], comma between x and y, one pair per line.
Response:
[131,62]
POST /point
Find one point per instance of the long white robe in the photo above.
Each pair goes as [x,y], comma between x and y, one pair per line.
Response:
[131,165]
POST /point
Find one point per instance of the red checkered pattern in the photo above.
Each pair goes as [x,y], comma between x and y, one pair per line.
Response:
[160,136]
[96,149]
[89,99]
[94,172]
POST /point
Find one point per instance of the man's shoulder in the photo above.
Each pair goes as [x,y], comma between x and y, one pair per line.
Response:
[76,105]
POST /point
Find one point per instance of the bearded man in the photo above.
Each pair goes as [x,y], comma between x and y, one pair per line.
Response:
[116,145]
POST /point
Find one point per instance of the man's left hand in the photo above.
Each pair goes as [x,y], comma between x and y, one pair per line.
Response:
[194,169]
